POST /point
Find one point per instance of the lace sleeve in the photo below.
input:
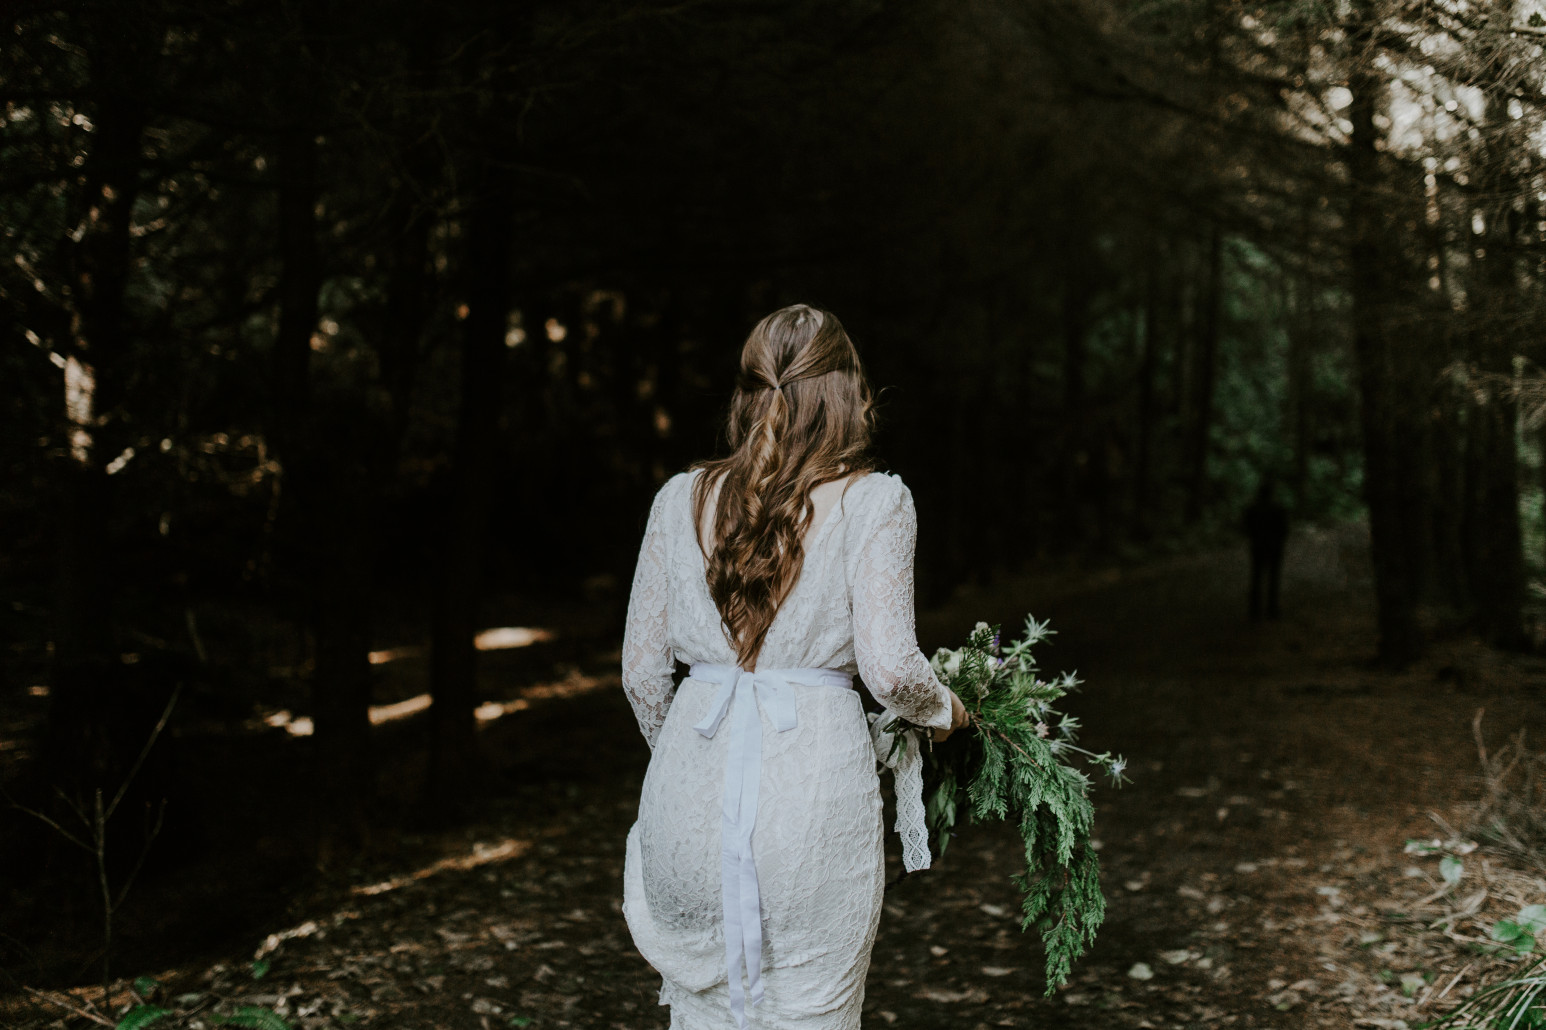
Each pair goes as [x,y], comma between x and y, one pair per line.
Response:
[885,636]
[647,660]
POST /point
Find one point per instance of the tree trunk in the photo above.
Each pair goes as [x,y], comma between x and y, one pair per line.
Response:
[326,571]
[407,307]
[82,744]
[341,680]
[1075,457]
[1447,489]
[1540,449]
[1148,364]
[1206,357]
[1302,325]
[410,285]
[102,711]
[487,263]
[1392,462]
[1448,505]
[1494,549]
[300,279]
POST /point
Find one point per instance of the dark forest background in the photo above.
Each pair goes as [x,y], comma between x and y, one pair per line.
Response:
[330,328]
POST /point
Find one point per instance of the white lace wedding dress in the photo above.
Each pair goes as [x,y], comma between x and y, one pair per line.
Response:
[772,763]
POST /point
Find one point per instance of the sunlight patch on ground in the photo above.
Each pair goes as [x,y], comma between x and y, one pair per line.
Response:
[296,726]
[488,711]
[401,709]
[482,854]
[274,940]
[504,637]
[500,638]
[573,684]
[392,654]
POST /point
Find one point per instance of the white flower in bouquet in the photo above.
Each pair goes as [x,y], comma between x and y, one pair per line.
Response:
[1036,632]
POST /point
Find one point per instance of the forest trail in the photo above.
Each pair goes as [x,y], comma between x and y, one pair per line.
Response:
[1254,867]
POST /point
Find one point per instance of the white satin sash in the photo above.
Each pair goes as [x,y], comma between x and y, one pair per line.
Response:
[773,690]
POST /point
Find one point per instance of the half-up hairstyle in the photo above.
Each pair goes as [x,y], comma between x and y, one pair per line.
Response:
[802,415]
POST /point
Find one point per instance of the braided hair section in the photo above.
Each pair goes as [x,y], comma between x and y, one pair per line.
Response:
[802,414]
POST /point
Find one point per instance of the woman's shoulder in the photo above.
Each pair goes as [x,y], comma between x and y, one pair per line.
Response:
[875,494]
[670,493]
[681,479]
[884,485]
[680,483]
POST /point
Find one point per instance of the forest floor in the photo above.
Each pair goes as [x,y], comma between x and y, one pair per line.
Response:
[1256,867]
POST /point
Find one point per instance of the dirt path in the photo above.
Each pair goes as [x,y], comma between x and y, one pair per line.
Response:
[1254,868]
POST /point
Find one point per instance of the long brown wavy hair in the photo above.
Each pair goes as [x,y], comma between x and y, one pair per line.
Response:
[802,415]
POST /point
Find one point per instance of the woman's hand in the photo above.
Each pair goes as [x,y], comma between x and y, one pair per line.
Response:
[957,718]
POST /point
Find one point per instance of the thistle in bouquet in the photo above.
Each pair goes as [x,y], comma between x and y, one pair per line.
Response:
[1023,765]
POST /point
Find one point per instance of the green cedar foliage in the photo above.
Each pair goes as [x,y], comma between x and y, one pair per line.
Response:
[1017,766]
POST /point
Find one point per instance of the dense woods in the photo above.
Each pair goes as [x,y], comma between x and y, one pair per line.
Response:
[323,324]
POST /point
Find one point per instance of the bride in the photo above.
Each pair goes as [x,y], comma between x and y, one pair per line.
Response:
[754,874]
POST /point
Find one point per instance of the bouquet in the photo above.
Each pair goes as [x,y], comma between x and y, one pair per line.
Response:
[1021,764]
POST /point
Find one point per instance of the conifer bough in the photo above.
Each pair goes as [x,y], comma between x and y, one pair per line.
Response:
[1019,766]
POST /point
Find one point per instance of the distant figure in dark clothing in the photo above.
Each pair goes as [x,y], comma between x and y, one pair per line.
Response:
[1266,523]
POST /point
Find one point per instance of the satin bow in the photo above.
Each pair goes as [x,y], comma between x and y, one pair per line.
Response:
[774,690]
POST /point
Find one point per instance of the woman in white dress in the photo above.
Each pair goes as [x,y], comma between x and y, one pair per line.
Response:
[755,872]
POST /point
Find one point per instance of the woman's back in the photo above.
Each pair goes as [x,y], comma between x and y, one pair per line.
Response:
[850,610]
